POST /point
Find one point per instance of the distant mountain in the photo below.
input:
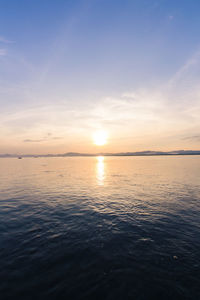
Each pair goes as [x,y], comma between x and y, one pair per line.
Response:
[141,153]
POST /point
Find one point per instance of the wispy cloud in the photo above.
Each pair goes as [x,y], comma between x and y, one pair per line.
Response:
[57,138]
[3,52]
[46,138]
[5,41]
[189,68]
[194,138]
[33,141]
[166,114]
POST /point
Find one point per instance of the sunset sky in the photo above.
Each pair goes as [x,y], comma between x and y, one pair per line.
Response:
[71,69]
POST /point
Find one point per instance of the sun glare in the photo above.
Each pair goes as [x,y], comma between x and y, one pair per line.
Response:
[100,138]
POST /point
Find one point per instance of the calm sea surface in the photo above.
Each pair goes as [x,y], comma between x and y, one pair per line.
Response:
[100,228]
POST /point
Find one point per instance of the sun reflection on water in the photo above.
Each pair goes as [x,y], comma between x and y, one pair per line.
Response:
[100,170]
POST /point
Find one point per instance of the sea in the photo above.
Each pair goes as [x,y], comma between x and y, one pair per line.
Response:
[100,228]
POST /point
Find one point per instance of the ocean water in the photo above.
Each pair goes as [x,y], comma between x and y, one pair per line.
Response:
[100,228]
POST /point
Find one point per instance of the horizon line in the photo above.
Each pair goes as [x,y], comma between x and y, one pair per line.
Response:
[136,153]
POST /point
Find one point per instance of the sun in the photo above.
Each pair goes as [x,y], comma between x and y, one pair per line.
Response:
[100,138]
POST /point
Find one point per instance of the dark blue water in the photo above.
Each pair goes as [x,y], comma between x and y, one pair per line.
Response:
[88,228]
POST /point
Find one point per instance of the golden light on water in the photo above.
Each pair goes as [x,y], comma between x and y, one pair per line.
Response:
[100,137]
[100,170]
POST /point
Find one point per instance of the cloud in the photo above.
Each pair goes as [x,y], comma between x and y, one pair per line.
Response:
[33,141]
[165,114]
[3,52]
[56,138]
[5,41]
[165,111]
[44,139]
[189,70]
[193,138]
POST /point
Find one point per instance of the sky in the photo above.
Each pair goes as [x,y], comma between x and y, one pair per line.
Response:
[71,68]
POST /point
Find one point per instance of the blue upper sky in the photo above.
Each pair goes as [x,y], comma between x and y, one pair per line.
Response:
[99,64]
